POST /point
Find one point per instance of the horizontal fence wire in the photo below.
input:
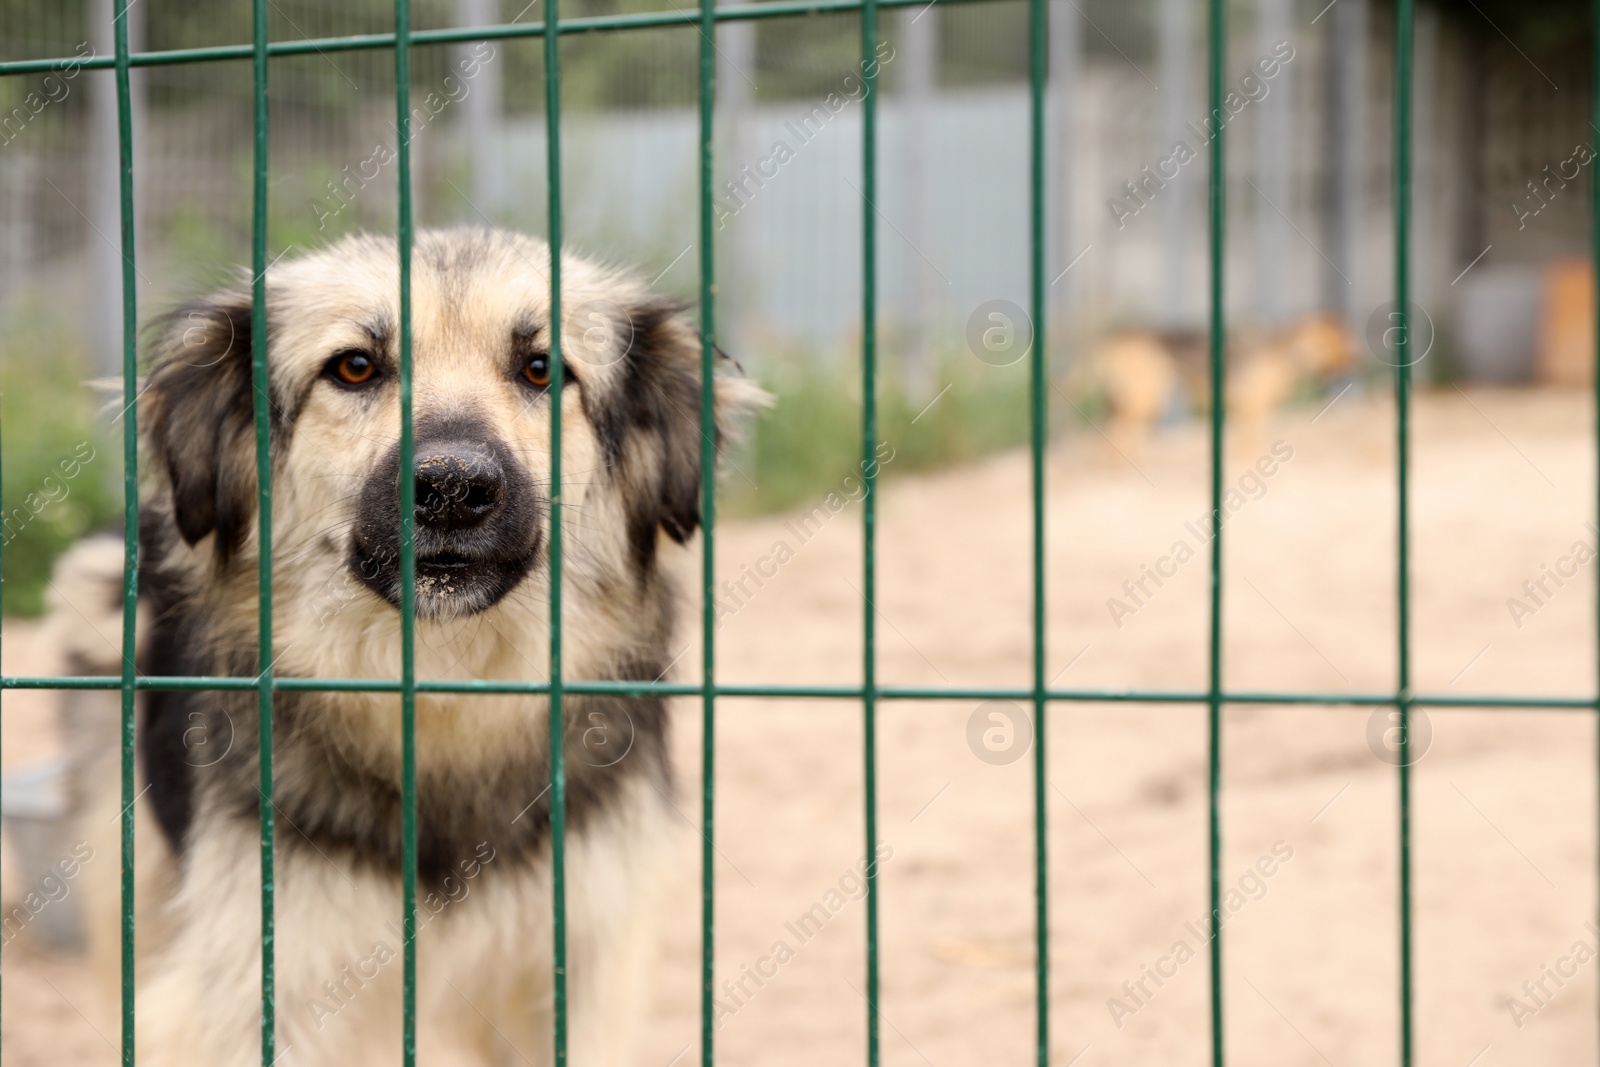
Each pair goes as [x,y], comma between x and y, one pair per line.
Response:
[1215,697]
[505,31]
[808,692]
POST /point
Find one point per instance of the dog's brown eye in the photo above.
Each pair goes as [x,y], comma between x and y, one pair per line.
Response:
[537,370]
[354,367]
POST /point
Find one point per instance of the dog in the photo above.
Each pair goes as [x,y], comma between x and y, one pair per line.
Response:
[630,495]
[1144,373]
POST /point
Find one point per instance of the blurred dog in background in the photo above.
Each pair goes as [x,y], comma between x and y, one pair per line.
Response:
[1148,374]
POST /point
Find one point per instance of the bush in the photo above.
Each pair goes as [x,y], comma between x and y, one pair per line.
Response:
[57,468]
[811,438]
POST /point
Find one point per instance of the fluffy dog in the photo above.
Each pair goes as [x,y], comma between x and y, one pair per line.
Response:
[631,444]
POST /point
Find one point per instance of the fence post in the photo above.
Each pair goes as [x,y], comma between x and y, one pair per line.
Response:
[1175,42]
[1344,153]
[482,115]
[1273,205]
[104,192]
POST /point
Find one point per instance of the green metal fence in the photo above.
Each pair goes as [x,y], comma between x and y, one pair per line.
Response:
[869,693]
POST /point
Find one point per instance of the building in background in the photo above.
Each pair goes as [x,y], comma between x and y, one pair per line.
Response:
[1500,188]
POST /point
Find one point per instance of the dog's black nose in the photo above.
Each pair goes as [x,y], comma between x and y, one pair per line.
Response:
[458,486]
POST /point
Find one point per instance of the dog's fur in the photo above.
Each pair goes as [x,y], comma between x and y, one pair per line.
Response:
[631,441]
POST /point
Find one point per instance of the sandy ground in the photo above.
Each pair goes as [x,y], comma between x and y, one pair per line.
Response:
[1504,814]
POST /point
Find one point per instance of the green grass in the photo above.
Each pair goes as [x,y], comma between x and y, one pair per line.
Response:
[59,467]
[811,439]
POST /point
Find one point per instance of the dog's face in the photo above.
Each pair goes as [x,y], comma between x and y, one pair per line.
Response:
[481,397]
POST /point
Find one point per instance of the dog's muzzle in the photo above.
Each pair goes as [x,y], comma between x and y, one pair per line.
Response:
[477,521]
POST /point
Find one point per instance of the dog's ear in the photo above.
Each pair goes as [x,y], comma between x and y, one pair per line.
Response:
[652,430]
[199,422]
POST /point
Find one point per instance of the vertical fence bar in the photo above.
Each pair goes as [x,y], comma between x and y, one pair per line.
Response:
[1218,349]
[869,503]
[1038,411]
[2,688]
[1404,15]
[1594,253]
[130,507]
[263,418]
[408,547]
[1218,345]
[708,559]
[558,766]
